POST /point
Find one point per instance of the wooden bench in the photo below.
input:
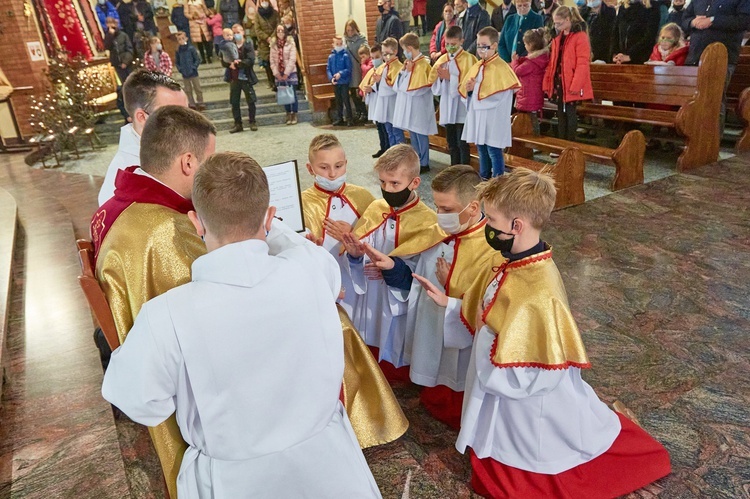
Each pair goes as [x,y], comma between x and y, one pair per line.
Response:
[322,89]
[627,158]
[738,97]
[695,92]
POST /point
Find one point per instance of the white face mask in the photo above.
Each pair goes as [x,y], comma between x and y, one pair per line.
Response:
[330,185]
[451,223]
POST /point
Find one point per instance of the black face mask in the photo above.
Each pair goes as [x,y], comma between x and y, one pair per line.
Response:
[501,245]
[678,8]
[396,199]
[381,9]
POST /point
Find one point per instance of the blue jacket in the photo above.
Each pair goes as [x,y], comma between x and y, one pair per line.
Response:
[513,29]
[105,11]
[339,62]
[730,20]
[187,60]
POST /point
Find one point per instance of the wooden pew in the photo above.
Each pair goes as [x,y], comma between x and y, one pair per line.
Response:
[738,97]
[322,89]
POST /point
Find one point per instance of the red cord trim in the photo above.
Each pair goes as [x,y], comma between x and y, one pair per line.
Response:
[544,255]
[537,365]
[466,323]
[486,310]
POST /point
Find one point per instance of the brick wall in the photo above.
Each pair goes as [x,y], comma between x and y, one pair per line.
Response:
[371,8]
[316,29]
[15,31]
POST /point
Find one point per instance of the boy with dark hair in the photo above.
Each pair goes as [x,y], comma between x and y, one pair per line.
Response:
[339,72]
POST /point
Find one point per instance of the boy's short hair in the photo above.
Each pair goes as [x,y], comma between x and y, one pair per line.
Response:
[139,89]
[231,195]
[109,20]
[521,193]
[390,43]
[461,179]
[171,131]
[397,157]
[410,40]
[322,142]
[364,49]
[375,48]
[490,33]
[227,29]
[454,32]
[337,38]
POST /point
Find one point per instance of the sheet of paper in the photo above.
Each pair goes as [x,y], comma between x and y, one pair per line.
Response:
[283,184]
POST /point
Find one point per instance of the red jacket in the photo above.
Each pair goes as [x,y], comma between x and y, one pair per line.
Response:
[530,72]
[440,28]
[576,74]
[677,56]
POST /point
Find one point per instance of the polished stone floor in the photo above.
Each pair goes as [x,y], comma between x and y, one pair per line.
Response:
[658,281]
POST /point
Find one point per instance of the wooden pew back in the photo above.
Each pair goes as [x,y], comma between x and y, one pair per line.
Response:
[642,84]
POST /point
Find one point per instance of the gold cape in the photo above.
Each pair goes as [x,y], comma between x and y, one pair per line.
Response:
[471,255]
[372,407]
[497,77]
[394,68]
[316,203]
[529,314]
[464,60]
[135,265]
[367,80]
[419,76]
[416,226]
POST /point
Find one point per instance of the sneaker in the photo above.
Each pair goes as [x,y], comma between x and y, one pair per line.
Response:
[253,127]
[237,128]
[424,169]
[378,154]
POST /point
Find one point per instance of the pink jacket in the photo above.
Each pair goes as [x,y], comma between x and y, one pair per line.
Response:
[530,71]
[290,57]
[365,67]
[215,22]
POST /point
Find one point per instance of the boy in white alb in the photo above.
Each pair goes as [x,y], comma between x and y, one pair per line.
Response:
[445,77]
[260,415]
[414,110]
[385,79]
[368,88]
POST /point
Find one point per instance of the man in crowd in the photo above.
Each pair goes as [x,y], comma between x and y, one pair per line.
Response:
[473,20]
[389,25]
[121,56]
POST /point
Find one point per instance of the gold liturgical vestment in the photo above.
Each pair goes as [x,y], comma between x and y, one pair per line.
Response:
[497,77]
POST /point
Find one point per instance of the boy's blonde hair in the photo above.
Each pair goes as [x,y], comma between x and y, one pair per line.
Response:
[337,38]
[461,179]
[410,40]
[391,43]
[400,156]
[322,142]
[521,193]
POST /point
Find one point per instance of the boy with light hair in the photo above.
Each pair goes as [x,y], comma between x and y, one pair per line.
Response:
[385,80]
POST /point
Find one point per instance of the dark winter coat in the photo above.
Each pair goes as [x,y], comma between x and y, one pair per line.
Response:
[730,20]
[636,28]
[187,60]
[497,20]
[179,20]
[144,8]
[389,26]
[247,61]
[474,20]
[125,10]
[601,27]
[120,48]
[339,62]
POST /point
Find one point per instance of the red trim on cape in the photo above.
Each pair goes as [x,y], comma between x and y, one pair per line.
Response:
[397,214]
[338,194]
[484,63]
[458,237]
[537,365]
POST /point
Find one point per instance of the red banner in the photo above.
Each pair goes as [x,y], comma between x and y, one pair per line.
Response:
[68,29]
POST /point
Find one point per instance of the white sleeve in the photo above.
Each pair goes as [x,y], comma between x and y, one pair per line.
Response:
[398,299]
[141,379]
[453,87]
[456,333]
[436,87]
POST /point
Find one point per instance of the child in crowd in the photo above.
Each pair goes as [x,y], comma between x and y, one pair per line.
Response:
[365,62]
[530,71]
[415,110]
[385,78]
[216,23]
[371,98]
[535,428]
[187,61]
[445,78]
[382,251]
[441,346]
[339,72]
[488,90]
[228,49]
[671,48]
[157,59]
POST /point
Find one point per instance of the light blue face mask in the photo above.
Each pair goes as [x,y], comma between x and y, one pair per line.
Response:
[472,3]
[238,37]
[408,56]
[580,3]
[338,48]
[594,3]
[377,62]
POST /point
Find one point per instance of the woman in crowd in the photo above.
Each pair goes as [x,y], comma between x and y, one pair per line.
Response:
[437,42]
[266,22]
[283,60]
[636,26]
[200,34]
[600,18]
[568,79]
[676,12]
[511,39]
[354,41]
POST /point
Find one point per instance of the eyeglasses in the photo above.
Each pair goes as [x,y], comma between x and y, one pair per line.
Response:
[483,47]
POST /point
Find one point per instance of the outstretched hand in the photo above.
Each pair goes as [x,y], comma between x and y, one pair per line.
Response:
[353,246]
[440,298]
[379,259]
[336,228]
[442,270]
[311,237]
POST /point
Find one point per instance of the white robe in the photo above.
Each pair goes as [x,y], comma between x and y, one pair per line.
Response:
[128,154]
[386,95]
[339,210]
[438,345]
[488,120]
[452,106]
[414,110]
[380,313]
[539,420]
[250,355]
[371,101]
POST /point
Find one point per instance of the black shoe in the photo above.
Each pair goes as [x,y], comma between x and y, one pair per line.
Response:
[424,169]
[237,128]
[351,123]
[378,154]
[339,123]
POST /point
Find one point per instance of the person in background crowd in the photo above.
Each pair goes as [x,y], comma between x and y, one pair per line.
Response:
[501,13]
[388,24]
[241,76]
[125,11]
[663,6]
[636,27]
[676,12]
[104,9]
[215,22]
[266,21]
[530,70]
[339,72]
[511,38]
[367,87]
[157,59]
[548,8]
[355,41]
[121,56]
[671,48]
[437,42]
[568,77]
[283,59]
[723,21]
[200,34]
[178,17]
[144,17]
[474,20]
[600,19]
[230,12]
[404,8]
[460,6]
[187,61]
[419,11]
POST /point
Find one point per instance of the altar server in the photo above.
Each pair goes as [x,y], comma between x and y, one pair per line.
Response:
[385,79]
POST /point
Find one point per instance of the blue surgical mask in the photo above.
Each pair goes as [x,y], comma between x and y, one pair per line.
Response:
[594,3]
[580,3]
[377,62]
[472,3]
[330,185]
[239,37]
[338,48]
[408,56]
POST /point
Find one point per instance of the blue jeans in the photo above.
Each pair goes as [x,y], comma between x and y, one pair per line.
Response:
[395,135]
[421,144]
[491,161]
[382,136]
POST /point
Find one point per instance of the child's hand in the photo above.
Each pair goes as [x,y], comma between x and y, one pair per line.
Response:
[443,72]
[470,82]
[380,260]
[435,56]
[408,66]
[440,298]
[336,229]
[368,89]
[373,273]
[353,246]
[442,271]
[514,56]
[311,237]
[377,77]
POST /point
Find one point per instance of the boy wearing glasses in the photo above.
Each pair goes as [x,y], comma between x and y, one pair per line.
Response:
[488,90]
[384,85]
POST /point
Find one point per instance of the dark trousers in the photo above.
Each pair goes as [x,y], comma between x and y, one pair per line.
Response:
[382,136]
[723,112]
[236,88]
[359,105]
[207,49]
[342,99]
[459,149]
[567,120]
